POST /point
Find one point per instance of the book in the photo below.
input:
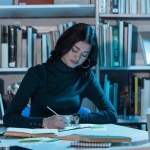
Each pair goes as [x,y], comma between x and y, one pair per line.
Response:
[4,47]
[95,138]
[105,138]
[6,2]
[71,2]
[145,44]
[12,46]
[35,2]
[30,51]
[115,6]
[30,133]
[90,145]
[1,107]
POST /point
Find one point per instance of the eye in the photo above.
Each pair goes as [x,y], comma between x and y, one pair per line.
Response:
[85,55]
[74,49]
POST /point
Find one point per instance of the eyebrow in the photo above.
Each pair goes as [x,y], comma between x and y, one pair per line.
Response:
[80,49]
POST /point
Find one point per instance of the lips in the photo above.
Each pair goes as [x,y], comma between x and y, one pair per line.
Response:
[74,62]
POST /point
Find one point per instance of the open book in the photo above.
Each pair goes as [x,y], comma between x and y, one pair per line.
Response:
[28,132]
[38,132]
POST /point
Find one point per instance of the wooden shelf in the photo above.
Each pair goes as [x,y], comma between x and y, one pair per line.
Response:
[47,11]
[126,16]
[13,70]
[130,68]
[127,121]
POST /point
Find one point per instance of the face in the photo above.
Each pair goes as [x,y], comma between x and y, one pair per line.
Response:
[77,55]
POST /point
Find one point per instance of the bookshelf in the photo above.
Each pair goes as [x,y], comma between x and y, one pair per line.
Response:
[45,18]
[120,73]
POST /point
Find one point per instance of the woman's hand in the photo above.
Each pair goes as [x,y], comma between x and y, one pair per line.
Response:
[74,120]
[55,122]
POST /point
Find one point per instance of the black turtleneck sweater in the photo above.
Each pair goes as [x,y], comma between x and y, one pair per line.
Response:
[61,88]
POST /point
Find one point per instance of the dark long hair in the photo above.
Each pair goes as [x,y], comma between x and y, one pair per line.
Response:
[76,33]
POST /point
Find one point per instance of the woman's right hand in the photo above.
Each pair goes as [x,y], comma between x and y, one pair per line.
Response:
[55,122]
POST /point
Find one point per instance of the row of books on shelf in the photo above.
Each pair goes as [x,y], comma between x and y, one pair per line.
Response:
[44,2]
[131,103]
[26,47]
[120,43]
[124,6]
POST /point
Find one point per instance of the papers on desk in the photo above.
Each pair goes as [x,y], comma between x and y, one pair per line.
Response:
[82,126]
[40,139]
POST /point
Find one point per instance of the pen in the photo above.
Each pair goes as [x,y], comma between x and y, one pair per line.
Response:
[66,122]
[52,110]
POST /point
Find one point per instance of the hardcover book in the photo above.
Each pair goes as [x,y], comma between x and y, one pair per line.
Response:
[27,132]
[107,138]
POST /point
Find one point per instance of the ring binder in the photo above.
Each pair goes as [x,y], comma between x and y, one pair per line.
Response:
[91,144]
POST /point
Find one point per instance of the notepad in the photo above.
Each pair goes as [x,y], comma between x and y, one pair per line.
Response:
[90,145]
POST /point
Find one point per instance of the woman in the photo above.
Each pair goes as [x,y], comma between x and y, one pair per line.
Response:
[61,84]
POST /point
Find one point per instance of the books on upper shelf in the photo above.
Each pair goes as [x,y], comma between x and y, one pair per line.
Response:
[27,46]
[124,6]
[34,2]
[145,46]
[116,44]
[72,1]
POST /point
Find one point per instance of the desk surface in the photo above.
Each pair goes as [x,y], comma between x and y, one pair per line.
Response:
[139,139]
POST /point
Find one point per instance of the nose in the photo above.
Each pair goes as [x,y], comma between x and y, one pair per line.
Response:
[77,56]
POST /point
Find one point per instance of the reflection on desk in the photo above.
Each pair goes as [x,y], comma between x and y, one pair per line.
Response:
[139,139]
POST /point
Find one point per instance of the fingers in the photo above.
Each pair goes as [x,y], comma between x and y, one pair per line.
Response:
[57,122]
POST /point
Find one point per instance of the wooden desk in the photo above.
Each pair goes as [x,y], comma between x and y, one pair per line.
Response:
[139,139]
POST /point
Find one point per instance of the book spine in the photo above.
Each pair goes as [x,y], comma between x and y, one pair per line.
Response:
[116,45]
[12,46]
[115,6]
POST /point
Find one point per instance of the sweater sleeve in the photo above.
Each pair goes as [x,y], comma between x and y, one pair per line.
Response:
[106,112]
[13,117]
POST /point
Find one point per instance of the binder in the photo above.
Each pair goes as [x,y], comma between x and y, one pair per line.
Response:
[90,144]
